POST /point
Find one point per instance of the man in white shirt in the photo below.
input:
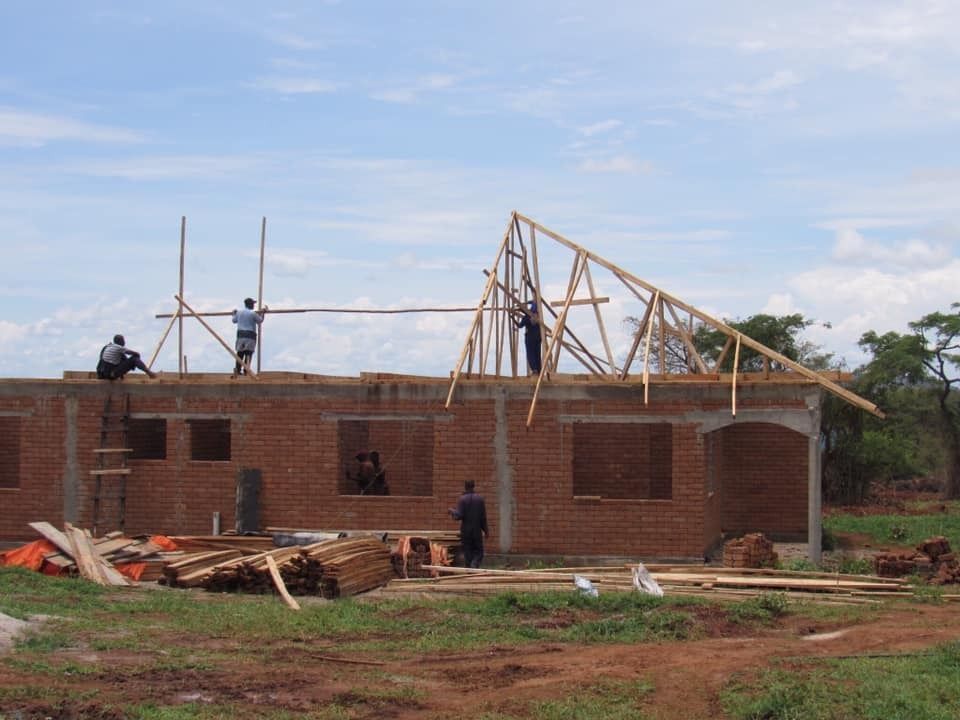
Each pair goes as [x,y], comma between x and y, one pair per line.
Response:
[246,320]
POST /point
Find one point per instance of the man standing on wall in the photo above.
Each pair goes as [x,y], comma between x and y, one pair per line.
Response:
[246,320]
[530,323]
[471,511]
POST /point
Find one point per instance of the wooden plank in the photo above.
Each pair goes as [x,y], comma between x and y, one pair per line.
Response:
[599,317]
[99,451]
[582,301]
[111,471]
[51,533]
[646,352]
[279,584]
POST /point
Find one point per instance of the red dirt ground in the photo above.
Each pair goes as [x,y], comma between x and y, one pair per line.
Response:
[687,676]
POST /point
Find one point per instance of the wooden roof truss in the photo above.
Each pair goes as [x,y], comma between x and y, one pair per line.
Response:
[663,343]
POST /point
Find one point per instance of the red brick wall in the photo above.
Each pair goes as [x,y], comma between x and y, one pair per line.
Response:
[294,435]
[763,480]
[9,452]
[623,460]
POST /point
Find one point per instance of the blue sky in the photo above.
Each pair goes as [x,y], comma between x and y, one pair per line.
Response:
[745,157]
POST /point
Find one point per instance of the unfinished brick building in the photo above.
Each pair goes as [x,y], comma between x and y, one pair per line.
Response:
[601,464]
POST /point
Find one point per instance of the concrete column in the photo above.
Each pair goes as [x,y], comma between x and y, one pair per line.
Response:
[71,489]
[503,473]
[814,481]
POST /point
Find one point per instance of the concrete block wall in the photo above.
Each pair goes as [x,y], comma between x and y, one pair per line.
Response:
[299,436]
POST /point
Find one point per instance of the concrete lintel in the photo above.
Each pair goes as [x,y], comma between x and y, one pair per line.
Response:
[802,421]
[16,413]
[805,421]
[625,419]
[188,416]
[426,417]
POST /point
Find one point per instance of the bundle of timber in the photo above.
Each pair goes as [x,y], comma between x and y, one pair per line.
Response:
[750,551]
[449,539]
[412,553]
[330,568]
[244,543]
[351,565]
[933,559]
[713,582]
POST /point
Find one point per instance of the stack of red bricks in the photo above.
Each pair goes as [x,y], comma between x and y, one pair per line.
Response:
[750,551]
[932,559]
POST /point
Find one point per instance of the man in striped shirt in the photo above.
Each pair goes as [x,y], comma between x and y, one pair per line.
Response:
[116,360]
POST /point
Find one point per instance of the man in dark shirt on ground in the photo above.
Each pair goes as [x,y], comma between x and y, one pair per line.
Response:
[471,511]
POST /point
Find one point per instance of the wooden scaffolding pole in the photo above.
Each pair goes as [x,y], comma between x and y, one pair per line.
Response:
[183,243]
[153,358]
[263,241]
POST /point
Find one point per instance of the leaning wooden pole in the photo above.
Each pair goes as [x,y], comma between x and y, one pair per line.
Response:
[581,260]
[646,350]
[163,338]
[263,240]
[491,279]
[733,391]
[183,243]
[214,333]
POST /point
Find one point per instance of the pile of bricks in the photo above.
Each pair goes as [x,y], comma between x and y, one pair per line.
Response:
[932,559]
[750,551]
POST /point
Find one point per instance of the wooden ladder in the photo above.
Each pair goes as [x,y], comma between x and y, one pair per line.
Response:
[110,475]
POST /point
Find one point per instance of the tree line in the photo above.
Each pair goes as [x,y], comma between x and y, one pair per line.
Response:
[911,376]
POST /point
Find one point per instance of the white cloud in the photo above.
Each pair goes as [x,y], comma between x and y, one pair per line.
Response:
[617,164]
[852,247]
[600,127]
[780,304]
[780,80]
[294,85]
[409,93]
[18,127]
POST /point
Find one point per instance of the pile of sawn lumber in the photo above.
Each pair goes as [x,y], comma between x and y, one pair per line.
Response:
[95,559]
[714,582]
[331,568]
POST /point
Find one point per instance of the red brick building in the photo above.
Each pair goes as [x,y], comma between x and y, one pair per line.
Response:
[599,472]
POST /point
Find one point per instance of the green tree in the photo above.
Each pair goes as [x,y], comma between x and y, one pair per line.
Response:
[927,361]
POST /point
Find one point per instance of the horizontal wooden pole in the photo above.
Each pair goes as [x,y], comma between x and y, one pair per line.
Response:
[581,301]
[364,311]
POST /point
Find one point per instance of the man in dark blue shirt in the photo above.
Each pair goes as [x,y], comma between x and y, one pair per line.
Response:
[471,511]
[530,322]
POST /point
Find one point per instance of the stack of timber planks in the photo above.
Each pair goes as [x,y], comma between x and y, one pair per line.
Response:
[713,582]
[331,568]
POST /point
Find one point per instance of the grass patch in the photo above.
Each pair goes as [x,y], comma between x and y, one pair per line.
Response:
[912,687]
[910,530]
[605,700]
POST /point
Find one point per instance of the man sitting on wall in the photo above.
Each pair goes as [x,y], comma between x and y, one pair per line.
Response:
[116,360]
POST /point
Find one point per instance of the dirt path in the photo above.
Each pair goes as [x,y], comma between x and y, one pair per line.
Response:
[299,678]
